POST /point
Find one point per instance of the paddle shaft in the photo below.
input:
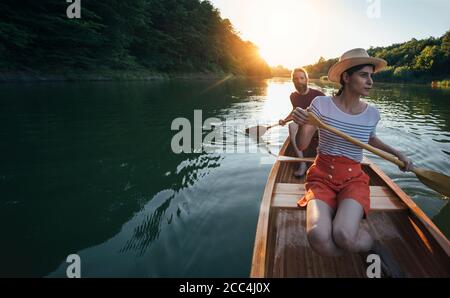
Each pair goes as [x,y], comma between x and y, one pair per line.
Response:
[374,150]
[276,124]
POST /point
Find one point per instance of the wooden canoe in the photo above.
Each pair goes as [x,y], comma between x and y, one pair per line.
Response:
[281,247]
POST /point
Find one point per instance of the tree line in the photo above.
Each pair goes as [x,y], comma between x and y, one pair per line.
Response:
[156,35]
[412,61]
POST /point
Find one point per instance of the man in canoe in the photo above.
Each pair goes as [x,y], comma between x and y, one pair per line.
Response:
[337,193]
[300,98]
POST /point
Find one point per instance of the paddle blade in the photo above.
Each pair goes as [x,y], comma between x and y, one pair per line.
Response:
[256,131]
[434,180]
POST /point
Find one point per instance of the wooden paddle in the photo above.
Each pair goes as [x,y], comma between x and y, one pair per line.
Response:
[434,180]
[260,130]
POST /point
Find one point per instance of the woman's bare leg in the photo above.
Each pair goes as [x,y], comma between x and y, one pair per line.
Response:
[319,228]
[348,232]
[293,130]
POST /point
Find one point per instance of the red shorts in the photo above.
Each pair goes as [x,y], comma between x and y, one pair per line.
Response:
[334,178]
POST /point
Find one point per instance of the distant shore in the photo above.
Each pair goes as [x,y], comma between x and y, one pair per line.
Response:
[30,76]
[108,75]
[433,84]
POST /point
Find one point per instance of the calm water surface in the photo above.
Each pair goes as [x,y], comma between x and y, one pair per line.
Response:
[88,168]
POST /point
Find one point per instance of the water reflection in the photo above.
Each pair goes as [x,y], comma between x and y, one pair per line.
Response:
[186,171]
[147,230]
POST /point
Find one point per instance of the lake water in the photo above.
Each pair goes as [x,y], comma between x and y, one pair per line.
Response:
[88,168]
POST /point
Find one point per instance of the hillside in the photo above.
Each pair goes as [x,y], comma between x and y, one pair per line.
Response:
[412,61]
[163,36]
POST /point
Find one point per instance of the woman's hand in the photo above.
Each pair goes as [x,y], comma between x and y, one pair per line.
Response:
[282,122]
[300,116]
[408,163]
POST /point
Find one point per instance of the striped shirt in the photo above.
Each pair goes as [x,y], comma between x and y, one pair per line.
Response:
[361,126]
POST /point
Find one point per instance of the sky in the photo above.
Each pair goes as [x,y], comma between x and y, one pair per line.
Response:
[298,32]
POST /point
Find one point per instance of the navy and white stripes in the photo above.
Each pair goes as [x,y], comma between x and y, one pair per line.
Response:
[361,126]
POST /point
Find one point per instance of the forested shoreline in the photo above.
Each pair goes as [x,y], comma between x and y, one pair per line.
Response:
[154,39]
[141,38]
[414,61]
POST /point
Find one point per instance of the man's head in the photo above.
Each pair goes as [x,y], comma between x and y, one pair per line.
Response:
[300,79]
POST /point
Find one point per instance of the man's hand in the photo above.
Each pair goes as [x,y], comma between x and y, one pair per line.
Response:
[282,122]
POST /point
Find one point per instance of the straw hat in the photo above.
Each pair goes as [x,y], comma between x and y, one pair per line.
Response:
[352,58]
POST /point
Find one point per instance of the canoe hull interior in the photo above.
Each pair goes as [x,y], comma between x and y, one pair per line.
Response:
[282,248]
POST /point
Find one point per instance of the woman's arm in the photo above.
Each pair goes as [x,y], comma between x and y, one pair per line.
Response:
[377,143]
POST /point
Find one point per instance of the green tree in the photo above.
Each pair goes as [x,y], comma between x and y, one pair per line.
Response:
[159,35]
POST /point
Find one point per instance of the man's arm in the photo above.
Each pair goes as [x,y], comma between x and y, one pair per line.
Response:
[289,117]
[285,120]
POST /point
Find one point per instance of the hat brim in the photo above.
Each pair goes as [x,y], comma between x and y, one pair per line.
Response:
[334,74]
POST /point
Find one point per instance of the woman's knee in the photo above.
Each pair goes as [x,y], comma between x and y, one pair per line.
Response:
[321,241]
[344,238]
[293,127]
[299,143]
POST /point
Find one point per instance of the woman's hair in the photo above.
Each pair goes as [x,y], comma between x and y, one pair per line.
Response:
[299,69]
[351,71]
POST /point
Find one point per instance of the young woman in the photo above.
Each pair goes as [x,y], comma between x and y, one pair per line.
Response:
[337,190]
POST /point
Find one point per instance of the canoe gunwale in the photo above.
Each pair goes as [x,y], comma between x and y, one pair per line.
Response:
[262,229]
[414,209]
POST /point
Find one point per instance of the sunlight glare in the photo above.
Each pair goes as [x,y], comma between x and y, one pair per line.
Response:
[286,27]
[278,104]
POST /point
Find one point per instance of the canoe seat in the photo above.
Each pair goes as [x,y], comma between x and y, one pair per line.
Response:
[284,158]
[286,195]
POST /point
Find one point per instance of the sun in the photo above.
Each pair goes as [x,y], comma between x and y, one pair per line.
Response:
[288,34]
